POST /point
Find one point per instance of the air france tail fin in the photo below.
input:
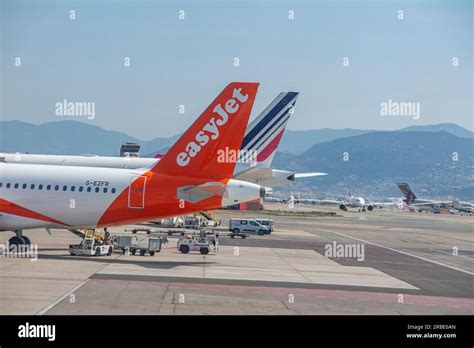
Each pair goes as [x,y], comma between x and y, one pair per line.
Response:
[263,135]
[410,196]
[203,149]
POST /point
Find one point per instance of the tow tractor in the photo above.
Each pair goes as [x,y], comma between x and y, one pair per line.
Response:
[201,219]
[91,247]
[94,243]
[204,242]
[211,221]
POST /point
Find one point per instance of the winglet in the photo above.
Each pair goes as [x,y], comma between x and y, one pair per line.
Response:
[220,129]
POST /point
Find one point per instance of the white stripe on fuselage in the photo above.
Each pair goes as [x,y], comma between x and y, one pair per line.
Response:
[81,161]
[95,162]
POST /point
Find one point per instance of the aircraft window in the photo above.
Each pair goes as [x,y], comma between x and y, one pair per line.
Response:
[113,190]
[89,189]
[32,186]
[48,187]
[24,186]
[97,189]
[64,188]
[16,186]
[8,185]
[105,189]
[40,186]
[73,188]
[81,188]
[243,222]
[56,188]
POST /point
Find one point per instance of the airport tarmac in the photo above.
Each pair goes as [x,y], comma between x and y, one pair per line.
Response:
[412,264]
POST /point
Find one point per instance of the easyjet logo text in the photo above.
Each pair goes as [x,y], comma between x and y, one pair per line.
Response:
[210,131]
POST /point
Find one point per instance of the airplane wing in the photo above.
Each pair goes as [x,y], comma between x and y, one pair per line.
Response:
[332,202]
[270,177]
[308,175]
[256,175]
[429,204]
[198,193]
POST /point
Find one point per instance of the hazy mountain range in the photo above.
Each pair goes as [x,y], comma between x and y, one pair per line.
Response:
[437,160]
[296,142]
[73,137]
[70,138]
[436,164]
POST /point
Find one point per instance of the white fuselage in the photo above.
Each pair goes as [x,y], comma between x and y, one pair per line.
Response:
[466,207]
[251,172]
[75,208]
[80,160]
[428,205]
[35,196]
[355,201]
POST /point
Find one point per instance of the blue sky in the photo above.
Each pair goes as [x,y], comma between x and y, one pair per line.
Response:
[189,61]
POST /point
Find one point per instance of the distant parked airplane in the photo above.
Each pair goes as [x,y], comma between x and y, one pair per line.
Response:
[344,203]
[466,207]
[413,201]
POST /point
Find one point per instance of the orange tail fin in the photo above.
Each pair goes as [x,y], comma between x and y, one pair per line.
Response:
[218,131]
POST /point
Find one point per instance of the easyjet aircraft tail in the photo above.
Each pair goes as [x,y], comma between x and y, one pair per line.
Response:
[207,149]
[193,176]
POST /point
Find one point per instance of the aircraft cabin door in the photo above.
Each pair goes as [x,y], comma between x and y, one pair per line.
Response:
[136,192]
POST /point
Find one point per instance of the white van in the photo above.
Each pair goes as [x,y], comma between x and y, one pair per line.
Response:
[247,226]
[265,222]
